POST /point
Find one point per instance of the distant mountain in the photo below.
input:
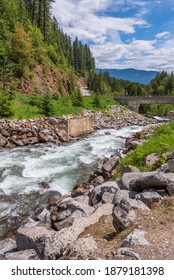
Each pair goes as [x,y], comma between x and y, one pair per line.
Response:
[130,74]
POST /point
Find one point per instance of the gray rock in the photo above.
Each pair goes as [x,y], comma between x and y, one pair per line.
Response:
[31,236]
[71,205]
[83,248]
[97,181]
[68,221]
[122,219]
[149,197]
[130,168]
[128,252]
[110,164]
[22,255]
[120,194]
[129,204]
[133,144]
[7,245]
[135,238]
[170,188]
[68,210]
[104,193]
[171,165]
[57,244]
[63,135]
[127,179]
[44,217]
[146,180]
[152,159]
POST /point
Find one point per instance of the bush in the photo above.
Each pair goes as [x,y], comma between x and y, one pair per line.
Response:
[5,106]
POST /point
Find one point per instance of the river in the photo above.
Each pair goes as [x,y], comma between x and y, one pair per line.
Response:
[22,169]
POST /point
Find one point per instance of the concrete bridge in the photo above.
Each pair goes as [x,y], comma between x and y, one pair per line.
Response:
[134,102]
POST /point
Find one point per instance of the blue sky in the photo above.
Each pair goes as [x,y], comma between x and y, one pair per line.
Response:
[122,33]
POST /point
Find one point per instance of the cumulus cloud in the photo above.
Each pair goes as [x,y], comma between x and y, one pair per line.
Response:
[96,23]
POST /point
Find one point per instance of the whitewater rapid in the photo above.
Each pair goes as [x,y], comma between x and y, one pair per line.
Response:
[23,168]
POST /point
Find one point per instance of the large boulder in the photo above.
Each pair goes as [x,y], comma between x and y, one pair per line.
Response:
[68,210]
[128,204]
[56,245]
[120,194]
[122,219]
[110,164]
[149,197]
[146,180]
[104,193]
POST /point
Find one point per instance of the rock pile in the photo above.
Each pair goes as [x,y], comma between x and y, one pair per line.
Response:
[42,130]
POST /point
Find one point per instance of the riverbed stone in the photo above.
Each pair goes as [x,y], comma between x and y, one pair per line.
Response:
[63,136]
[149,197]
[83,248]
[170,188]
[29,254]
[130,168]
[7,245]
[122,219]
[146,180]
[171,165]
[110,164]
[125,251]
[152,159]
[135,238]
[104,193]
[97,181]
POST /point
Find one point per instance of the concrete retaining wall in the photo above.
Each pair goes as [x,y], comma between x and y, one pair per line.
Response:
[79,126]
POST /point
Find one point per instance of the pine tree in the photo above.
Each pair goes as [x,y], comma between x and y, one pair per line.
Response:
[47,106]
[5,106]
[77,98]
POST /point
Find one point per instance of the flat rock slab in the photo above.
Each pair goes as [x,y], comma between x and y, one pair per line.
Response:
[7,245]
[22,255]
[135,238]
[83,248]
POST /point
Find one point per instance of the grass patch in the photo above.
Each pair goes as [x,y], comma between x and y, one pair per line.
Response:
[26,106]
[162,141]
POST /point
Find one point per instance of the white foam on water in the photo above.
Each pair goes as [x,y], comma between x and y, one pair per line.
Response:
[60,166]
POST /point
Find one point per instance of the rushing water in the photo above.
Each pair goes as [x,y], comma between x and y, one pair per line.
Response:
[22,169]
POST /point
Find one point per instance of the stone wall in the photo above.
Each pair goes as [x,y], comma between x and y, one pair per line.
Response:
[79,126]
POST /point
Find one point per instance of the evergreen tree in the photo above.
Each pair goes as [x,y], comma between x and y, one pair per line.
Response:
[5,106]
[47,106]
[77,98]
[96,100]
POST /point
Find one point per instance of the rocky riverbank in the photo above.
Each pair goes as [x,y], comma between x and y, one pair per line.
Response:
[42,130]
[103,218]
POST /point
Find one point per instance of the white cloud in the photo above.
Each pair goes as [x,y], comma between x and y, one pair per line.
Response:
[161,35]
[88,20]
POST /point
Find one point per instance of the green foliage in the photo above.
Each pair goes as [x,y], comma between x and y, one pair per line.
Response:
[77,99]
[5,106]
[96,100]
[161,142]
[46,105]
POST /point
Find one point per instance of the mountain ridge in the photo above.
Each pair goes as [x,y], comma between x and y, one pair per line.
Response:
[131,74]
